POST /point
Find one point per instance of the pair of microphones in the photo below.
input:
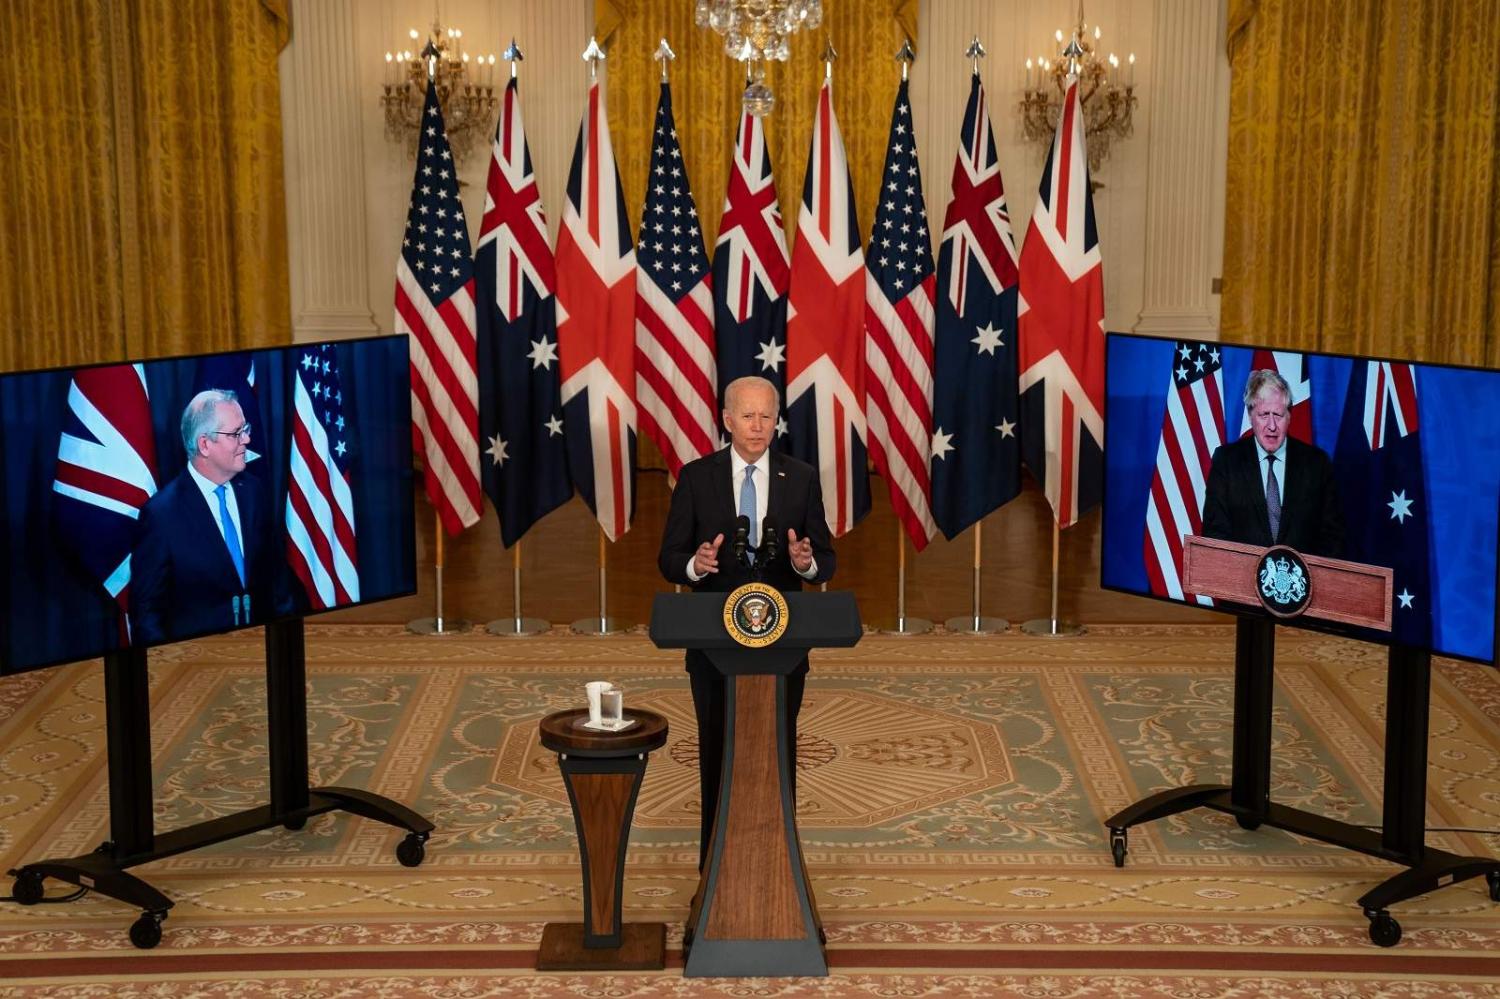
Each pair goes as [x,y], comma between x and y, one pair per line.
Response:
[770,542]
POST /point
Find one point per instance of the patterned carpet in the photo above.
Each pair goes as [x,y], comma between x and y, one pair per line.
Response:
[951,796]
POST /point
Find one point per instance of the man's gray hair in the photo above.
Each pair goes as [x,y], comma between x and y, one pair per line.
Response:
[751,381]
[1261,380]
[200,416]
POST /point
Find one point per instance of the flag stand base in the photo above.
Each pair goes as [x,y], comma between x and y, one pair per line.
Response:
[1047,627]
[518,627]
[905,626]
[971,625]
[438,626]
[598,627]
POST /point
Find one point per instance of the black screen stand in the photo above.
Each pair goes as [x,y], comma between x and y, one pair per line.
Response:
[1402,836]
[134,841]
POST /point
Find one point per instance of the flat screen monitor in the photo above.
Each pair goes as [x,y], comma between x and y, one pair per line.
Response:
[1376,461]
[145,503]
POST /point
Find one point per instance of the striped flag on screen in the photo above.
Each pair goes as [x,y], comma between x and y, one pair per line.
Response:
[898,334]
[1191,430]
[320,538]
[435,307]
[106,470]
[676,380]
[825,377]
[1293,367]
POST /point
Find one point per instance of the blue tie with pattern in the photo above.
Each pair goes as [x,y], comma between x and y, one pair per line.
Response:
[747,508]
[231,536]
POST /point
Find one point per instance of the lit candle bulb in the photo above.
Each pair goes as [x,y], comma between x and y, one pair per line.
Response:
[413,34]
[1096,32]
[1130,73]
[390,68]
[1028,74]
[1058,35]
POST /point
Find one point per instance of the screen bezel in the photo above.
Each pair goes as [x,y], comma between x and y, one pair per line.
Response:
[1324,627]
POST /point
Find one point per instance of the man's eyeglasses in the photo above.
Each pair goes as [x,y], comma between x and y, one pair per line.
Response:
[243,433]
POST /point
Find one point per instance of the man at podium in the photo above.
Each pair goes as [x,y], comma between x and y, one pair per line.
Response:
[1270,488]
[777,502]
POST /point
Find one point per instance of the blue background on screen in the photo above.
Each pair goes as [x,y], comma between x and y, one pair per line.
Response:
[1460,427]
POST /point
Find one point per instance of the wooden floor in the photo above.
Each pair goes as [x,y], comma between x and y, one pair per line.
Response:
[560,568]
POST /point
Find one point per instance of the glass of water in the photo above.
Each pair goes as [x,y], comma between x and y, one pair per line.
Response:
[612,706]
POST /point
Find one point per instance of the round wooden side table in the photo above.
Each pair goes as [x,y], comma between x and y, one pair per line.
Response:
[603,773]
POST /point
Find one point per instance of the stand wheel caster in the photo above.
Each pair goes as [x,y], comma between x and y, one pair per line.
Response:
[1493,877]
[1117,846]
[28,888]
[1384,930]
[145,932]
[1247,823]
[295,823]
[411,850]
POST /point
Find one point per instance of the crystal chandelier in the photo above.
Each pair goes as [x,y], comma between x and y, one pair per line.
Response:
[465,90]
[756,31]
[1106,93]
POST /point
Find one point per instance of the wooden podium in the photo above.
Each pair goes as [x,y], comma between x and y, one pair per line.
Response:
[1346,593]
[754,914]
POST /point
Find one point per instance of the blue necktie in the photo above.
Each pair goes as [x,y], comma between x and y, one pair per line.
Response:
[747,508]
[231,536]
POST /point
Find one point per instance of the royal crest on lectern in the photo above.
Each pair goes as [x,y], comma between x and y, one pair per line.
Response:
[755,615]
[1283,582]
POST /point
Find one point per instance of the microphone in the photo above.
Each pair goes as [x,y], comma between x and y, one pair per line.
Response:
[741,537]
[770,541]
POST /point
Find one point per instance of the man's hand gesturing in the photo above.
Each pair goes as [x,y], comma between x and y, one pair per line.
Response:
[706,558]
[800,551]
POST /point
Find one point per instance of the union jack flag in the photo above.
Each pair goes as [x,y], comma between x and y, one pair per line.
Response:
[898,334]
[435,307]
[320,535]
[826,329]
[1293,367]
[751,273]
[525,469]
[106,470]
[1062,329]
[1191,431]
[974,357]
[676,380]
[1381,477]
[596,326]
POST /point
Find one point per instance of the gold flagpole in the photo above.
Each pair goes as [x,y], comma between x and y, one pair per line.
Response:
[517,626]
[437,624]
[1052,627]
[977,623]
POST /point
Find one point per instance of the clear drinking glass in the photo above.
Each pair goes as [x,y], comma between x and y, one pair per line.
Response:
[612,706]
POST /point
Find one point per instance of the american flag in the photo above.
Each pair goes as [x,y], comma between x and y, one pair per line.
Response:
[676,379]
[1293,367]
[826,329]
[525,463]
[751,272]
[320,536]
[974,354]
[106,470]
[1191,430]
[435,306]
[1382,483]
[596,326]
[1062,329]
[898,334]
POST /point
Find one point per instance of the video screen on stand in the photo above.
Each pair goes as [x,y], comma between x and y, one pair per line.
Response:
[145,503]
[1386,463]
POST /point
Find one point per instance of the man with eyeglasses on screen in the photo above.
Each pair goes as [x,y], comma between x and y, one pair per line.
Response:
[199,563]
[1270,488]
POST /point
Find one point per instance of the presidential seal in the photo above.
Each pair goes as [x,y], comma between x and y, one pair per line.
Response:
[755,615]
[1283,582]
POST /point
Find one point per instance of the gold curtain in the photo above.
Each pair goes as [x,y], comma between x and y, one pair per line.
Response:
[1363,192]
[141,172]
[707,86]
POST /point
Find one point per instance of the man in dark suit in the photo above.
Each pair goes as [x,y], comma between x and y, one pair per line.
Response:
[775,492]
[200,562]
[1270,488]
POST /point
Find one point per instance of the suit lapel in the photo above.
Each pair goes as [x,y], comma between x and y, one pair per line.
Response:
[208,525]
[721,469]
[777,495]
[1257,489]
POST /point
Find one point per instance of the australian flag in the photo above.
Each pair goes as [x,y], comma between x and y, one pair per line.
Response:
[1380,474]
[525,463]
[974,357]
[751,273]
